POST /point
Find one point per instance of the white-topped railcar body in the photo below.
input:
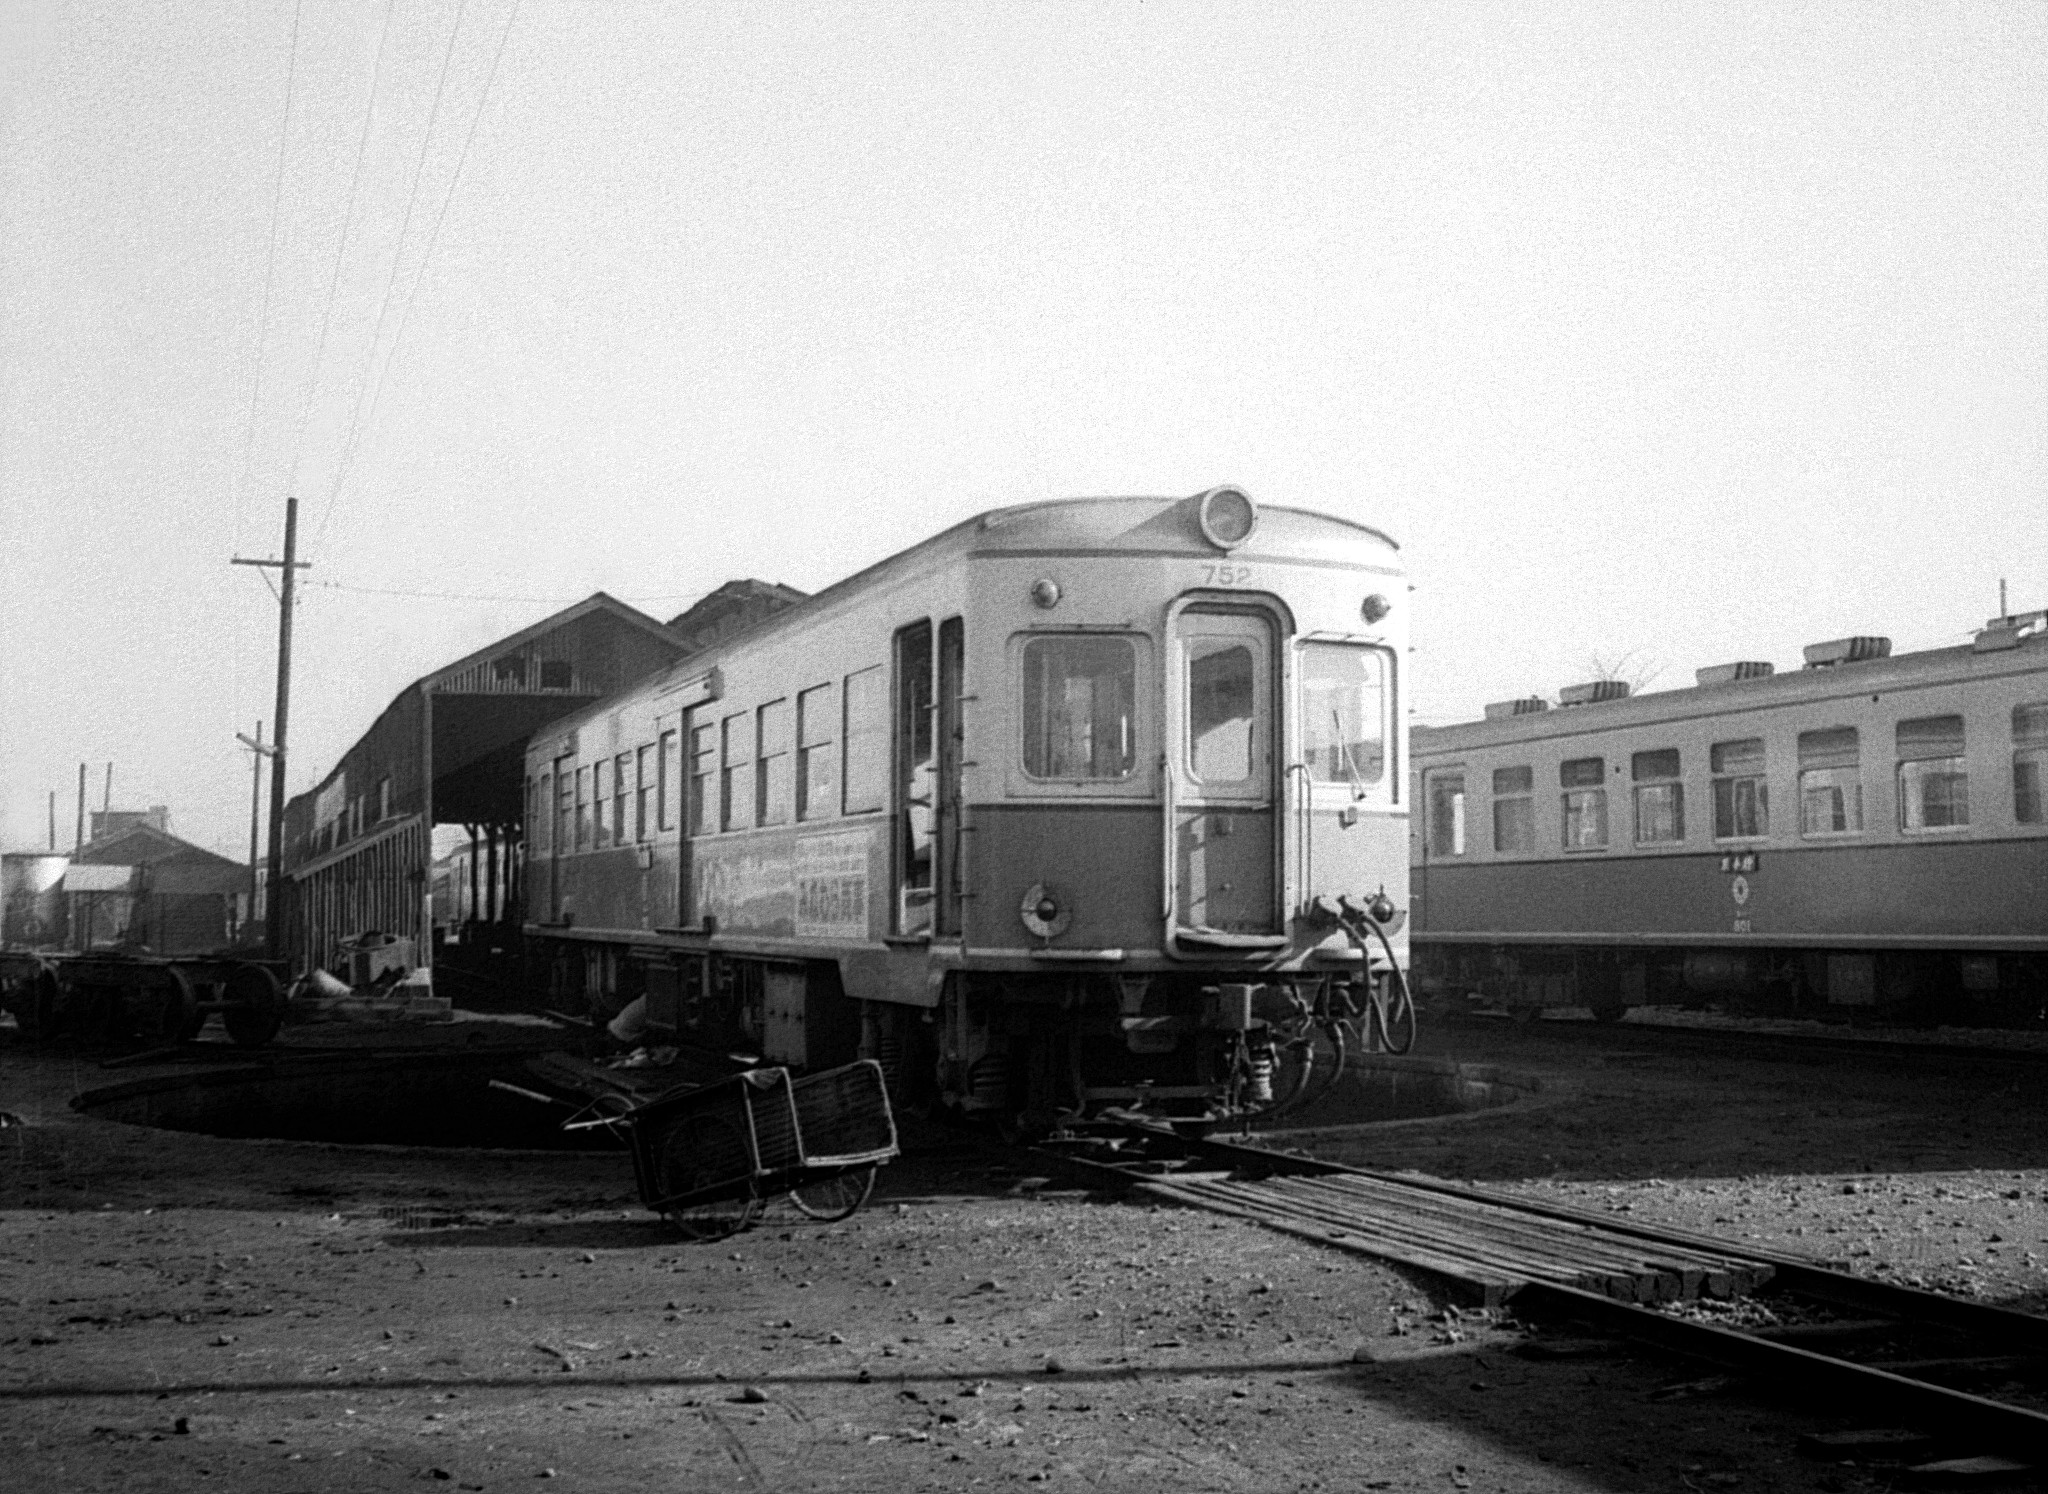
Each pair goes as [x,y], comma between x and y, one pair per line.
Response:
[1867,832]
[1036,811]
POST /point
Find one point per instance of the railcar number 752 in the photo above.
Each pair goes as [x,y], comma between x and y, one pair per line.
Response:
[1226,575]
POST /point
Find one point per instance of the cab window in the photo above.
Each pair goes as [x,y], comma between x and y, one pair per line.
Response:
[1344,712]
[1080,708]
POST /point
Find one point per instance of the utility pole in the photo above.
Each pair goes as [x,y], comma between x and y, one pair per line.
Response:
[53,819]
[81,808]
[291,565]
[257,752]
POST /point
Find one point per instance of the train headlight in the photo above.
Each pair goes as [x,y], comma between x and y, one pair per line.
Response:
[1228,516]
[1374,607]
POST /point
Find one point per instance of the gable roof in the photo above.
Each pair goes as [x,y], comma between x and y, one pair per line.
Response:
[145,845]
[597,601]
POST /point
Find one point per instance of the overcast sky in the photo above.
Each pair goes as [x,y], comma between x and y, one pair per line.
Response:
[1684,333]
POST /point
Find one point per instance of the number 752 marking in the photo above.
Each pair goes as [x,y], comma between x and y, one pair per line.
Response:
[1226,575]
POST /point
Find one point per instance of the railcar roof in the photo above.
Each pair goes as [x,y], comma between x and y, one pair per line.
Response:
[1876,676]
[1133,526]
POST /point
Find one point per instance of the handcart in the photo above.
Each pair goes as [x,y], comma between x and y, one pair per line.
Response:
[706,1156]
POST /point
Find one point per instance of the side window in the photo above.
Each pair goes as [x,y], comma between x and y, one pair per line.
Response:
[622,792]
[565,807]
[866,735]
[735,772]
[1514,811]
[703,766]
[664,787]
[1742,798]
[1934,780]
[1080,708]
[583,809]
[1660,797]
[600,836]
[1447,814]
[540,810]
[1830,783]
[643,790]
[817,768]
[2029,762]
[1584,781]
[771,764]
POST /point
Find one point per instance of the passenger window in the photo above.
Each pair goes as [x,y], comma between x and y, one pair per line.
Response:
[540,809]
[643,788]
[771,764]
[622,788]
[1514,811]
[599,836]
[1742,797]
[1584,780]
[866,737]
[664,787]
[735,773]
[703,763]
[1344,712]
[2029,762]
[1934,780]
[583,809]
[1080,708]
[1830,783]
[565,807]
[817,769]
[1660,797]
[1447,814]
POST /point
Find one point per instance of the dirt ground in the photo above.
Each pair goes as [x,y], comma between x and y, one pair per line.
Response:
[180,1312]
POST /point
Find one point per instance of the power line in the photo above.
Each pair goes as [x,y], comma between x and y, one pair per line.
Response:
[398,255]
[348,223]
[463,596]
[284,133]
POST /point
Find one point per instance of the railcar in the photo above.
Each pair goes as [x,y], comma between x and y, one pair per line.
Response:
[1867,832]
[1062,808]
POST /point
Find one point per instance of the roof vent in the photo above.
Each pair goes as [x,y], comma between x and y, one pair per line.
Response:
[1728,674]
[1593,692]
[2009,632]
[1846,651]
[1528,705]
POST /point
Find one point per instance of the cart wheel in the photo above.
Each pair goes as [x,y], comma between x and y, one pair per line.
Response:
[836,1197]
[257,1008]
[699,1152]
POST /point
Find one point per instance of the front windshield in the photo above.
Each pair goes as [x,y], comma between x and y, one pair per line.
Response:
[1344,699]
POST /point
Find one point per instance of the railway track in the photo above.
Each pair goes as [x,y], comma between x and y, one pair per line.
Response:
[1652,1035]
[1920,1359]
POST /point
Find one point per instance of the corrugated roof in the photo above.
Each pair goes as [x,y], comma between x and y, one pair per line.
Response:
[86,876]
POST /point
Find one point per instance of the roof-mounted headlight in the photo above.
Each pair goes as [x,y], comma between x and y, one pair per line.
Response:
[1227,516]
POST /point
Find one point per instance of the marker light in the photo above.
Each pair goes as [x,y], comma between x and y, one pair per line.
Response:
[1228,516]
[1046,592]
[1375,607]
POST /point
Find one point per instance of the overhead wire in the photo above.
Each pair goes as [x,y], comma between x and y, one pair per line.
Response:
[341,249]
[370,390]
[464,596]
[269,272]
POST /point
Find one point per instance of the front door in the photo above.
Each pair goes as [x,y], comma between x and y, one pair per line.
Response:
[1223,785]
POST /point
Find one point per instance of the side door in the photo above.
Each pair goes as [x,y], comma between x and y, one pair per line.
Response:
[1223,820]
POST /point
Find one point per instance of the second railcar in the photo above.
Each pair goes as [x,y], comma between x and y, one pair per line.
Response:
[1058,809]
[1868,832]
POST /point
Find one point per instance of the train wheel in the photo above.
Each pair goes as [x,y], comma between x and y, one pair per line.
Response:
[167,1011]
[37,1006]
[836,1197]
[257,1009]
[699,1152]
